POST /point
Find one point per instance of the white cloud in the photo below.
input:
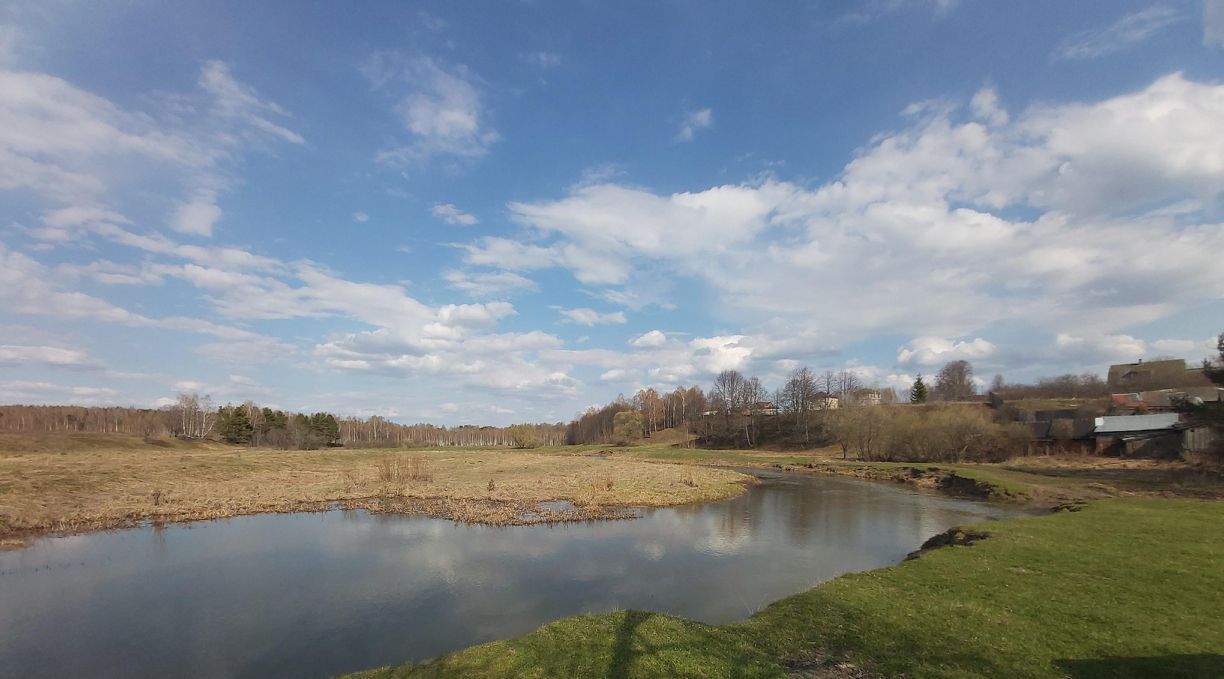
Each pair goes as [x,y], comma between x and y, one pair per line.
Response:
[48,393]
[1101,349]
[233,99]
[361,217]
[1123,34]
[508,254]
[985,107]
[1213,23]
[444,110]
[453,215]
[28,287]
[590,317]
[197,217]
[605,225]
[42,355]
[614,375]
[488,284]
[1191,350]
[654,338]
[694,122]
[716,354]
[920,233]
[74,149]
[935,351]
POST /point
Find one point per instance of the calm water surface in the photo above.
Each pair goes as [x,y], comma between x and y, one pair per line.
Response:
[313,595]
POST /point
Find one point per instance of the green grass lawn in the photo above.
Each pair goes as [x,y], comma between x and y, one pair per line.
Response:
[1124,588]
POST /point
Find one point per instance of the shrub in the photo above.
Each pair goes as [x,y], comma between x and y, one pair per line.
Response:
[929,434]
[627,427]
[523,436]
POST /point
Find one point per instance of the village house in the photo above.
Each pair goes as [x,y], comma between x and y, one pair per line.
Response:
[868,397]
[765,408]
[1158,435]
[1163,374]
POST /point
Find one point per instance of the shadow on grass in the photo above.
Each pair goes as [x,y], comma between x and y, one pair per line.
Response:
[623,652]
[620,645]
[1161,666]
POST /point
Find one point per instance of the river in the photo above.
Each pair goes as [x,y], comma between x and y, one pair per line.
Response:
[317,594]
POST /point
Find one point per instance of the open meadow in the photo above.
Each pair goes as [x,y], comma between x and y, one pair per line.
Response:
[86,482]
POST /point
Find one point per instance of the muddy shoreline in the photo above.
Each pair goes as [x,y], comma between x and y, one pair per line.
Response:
[459,510]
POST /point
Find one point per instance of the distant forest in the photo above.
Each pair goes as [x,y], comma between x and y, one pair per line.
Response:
[197,417]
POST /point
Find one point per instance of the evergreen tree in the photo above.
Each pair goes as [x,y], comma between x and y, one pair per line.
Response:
[918,392]
[234,426]
[325,427]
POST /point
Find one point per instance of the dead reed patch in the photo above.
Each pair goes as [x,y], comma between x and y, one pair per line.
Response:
[73,488]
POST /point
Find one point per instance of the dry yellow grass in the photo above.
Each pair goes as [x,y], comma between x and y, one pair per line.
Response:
[73,483]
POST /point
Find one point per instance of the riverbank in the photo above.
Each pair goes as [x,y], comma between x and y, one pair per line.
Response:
[1124,587]
[61,484]
[1040,482]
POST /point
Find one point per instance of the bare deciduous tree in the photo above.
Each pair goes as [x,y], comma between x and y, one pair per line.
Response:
[955,382]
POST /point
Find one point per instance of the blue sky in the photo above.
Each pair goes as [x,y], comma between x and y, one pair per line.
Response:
[508,211]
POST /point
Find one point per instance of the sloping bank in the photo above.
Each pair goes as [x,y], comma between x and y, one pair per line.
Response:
[1125,587]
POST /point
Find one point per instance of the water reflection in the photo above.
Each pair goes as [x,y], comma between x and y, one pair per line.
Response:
[319,594]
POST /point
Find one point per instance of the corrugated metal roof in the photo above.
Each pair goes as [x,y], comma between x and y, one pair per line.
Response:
[1126,423]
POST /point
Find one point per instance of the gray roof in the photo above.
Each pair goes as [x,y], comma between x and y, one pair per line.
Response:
[1132,423]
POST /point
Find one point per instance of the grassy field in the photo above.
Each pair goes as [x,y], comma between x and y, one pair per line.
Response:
[1123,588]
[72,483]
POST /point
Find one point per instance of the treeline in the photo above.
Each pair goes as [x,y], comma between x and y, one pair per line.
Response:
[677,408]
[197,417]
[1086,386]
[738,410]
[941,422]
[81,419]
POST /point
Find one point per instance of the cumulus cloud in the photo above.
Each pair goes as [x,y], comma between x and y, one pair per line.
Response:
[921,232]
[605,225]
[453,215]
[654,338]
[196,217]
[935,351]
[1126,32]
[693,123]
[361,217]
